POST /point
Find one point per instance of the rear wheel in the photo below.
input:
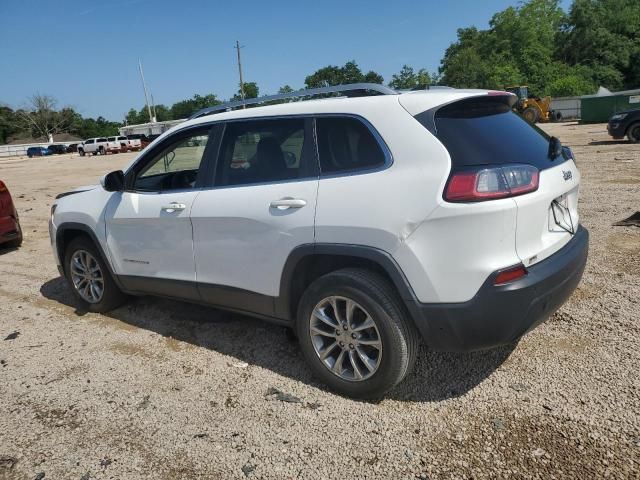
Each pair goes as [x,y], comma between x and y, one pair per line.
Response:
[633,134]
[355,334]
[89,277]
[102,151]
[531,115]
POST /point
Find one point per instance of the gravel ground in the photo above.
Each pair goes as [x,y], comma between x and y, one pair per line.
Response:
[167,390]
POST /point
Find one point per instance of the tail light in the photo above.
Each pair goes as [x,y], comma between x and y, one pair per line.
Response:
[510,275]
[3,187]
[490,183]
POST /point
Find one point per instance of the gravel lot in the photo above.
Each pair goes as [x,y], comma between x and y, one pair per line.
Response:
[167,390]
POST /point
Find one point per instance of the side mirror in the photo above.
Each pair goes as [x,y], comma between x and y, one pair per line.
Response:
[113,182]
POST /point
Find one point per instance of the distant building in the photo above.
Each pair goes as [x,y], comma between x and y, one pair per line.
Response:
[152,128]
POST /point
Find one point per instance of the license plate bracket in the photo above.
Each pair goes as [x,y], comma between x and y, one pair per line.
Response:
[562,215]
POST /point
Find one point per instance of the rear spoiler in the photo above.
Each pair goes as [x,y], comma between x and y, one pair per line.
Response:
[428,117]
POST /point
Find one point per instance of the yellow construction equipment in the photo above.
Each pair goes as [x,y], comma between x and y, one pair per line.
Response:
[533,109]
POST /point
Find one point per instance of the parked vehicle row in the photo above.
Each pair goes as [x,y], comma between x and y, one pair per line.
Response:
[104,145]
[94,146]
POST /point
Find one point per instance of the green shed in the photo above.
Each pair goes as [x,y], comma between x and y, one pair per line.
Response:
[598,109]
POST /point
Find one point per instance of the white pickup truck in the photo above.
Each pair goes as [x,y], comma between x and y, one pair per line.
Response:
[99,146]
[134,143]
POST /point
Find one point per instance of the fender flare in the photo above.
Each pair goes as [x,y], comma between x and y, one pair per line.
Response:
[380,257]
[85,229]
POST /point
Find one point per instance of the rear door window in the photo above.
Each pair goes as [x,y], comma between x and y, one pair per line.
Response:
[260,151]
[485,131]
[346,144]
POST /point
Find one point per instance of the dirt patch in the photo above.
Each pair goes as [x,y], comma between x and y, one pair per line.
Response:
[626,249]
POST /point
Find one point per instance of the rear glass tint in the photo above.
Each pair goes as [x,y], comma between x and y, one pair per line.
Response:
[485,131]
[346,144]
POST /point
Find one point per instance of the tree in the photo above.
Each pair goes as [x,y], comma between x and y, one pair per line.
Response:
[9,124]
[251,90]
[407,79]
[186,108]
[333,75]
[603,35]
[285,89]
[41,118]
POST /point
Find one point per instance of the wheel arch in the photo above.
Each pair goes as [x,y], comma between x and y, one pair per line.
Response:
[68,231]
[308,262]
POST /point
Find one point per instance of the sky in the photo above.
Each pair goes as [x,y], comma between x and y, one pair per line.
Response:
[85,52]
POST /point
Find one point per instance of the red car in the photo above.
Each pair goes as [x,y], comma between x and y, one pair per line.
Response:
[10,232]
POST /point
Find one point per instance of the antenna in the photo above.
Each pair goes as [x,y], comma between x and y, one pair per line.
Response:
[146,94]
[238,47]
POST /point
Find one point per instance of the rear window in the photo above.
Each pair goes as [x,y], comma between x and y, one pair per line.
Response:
[485,131]
[101,140]
[111,139]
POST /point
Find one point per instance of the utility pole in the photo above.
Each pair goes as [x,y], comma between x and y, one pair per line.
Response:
[238,47]
[146,94]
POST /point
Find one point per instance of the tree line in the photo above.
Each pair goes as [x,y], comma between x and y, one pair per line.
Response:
[536,43]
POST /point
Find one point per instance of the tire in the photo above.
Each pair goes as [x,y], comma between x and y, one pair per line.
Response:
[531,115]
[556,116]
[633,133]
[81,152]
[393,331]
[102,151]
[111,297]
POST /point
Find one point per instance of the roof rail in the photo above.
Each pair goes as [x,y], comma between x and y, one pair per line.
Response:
[363,88]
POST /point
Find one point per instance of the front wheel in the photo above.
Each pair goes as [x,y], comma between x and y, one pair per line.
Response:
[531,115]
[355,334]
[634,133]
[89,277]
[81,152]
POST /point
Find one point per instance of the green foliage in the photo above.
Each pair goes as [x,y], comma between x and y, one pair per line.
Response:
[538,45]
[407,78]
[333,75]
[604,35]
[570,86]
[251,90]
[186,108]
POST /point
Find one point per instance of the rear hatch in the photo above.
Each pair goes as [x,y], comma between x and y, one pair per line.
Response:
[483,131]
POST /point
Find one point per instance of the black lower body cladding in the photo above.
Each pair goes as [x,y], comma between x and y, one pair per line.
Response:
[500,315]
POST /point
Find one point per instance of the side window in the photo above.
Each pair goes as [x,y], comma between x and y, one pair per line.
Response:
[346,144]
[260,151]
[176,166]
[89,141]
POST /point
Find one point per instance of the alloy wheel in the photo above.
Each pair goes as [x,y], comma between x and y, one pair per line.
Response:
[345,338]
[86,276]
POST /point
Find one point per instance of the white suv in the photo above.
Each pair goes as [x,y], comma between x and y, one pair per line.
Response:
[367,223]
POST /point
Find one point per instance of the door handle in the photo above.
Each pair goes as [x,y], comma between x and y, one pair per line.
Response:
[174,207]
[288,202]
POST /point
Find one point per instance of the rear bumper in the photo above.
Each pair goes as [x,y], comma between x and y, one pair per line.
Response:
[9,229]
[499,315]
